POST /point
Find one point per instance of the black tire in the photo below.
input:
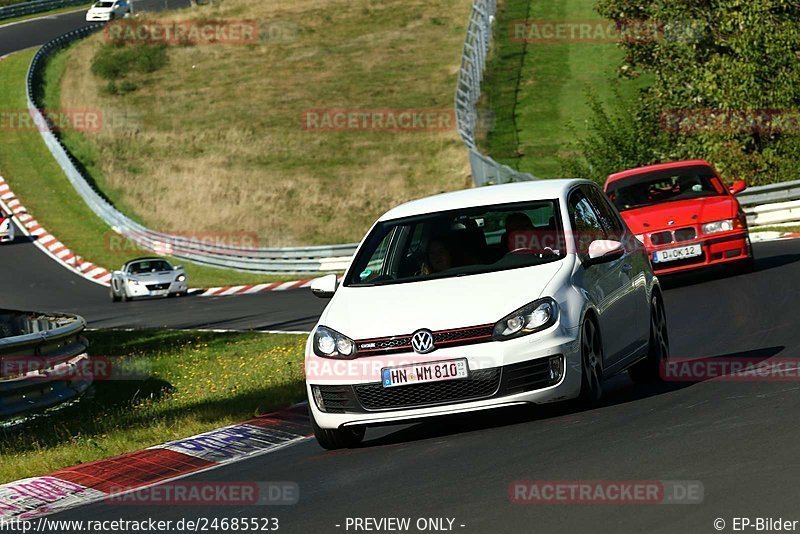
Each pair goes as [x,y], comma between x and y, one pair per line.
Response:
[592,369]
[114,296]
[337,438]
[649,369]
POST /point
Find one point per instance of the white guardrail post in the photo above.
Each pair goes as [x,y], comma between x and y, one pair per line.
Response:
[485,171]
[773,204]
[43,361]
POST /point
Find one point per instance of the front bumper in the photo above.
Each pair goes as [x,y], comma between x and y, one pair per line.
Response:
[163,290]
[501,374]
[719,249]
[98,17]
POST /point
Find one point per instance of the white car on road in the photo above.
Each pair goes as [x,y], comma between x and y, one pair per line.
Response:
[6,228]
[497,296]
[147,277]
[107,10]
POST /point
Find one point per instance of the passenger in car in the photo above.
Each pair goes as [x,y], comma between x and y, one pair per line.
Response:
[439,257]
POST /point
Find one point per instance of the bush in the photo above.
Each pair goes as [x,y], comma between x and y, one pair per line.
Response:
[114,61]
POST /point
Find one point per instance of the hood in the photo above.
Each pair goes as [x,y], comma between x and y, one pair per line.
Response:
[683,213]
[382,311]
[97,9]
[155,278]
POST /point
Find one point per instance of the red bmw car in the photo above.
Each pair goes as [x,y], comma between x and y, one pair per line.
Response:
[684,214]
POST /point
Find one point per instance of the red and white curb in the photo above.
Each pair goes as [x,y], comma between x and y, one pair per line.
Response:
[83,484]
[51,246]
[760,237]
[46,242]
[248,290]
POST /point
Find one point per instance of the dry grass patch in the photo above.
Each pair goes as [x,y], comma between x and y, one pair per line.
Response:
[214,139]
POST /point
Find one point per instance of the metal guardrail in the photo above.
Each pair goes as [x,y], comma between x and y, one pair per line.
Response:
[773,204]
[300,260]
[485,170]
[37,6]
[39,358]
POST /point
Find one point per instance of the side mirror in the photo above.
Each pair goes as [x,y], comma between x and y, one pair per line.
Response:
[737,187]
[604,250]
[178,267]
[325,287]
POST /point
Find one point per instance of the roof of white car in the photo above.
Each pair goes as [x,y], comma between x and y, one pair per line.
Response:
[484,196]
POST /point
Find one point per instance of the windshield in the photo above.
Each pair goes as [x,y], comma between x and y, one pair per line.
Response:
[458,243]
[104,4]
[658,187]
[150,266]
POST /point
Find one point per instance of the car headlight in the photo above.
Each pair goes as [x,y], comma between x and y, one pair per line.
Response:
[329,343]
[133,282]
[181,278]
[534,317]
[719,226]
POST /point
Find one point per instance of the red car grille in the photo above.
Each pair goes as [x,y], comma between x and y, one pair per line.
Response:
[441,339]
[681,235]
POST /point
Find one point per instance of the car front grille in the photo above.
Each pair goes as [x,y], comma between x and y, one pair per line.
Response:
[157,287]
[338,399]
[661,238]
[681,235]
[482,383]
[441,338]
[528,376]
[685,234]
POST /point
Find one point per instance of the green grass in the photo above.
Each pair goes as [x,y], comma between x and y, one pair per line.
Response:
[791,229]
[199,382]
[537,90]
[35,177]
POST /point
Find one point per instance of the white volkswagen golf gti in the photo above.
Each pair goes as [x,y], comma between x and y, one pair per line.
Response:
[497,296]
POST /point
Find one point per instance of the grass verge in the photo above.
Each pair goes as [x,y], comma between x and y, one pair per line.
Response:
[200,381]
[37,179]
[791,229]
[215,139]
[537,90]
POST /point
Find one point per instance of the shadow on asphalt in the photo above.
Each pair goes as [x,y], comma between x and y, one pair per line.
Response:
[723,272]
[618,390]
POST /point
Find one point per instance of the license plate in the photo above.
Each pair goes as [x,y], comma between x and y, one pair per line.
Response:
[681,253]
[420,373]
[159,292]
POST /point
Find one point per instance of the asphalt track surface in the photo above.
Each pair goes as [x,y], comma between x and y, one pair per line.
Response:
[740,440]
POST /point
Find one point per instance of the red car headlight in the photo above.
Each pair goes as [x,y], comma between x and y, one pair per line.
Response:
[725,225]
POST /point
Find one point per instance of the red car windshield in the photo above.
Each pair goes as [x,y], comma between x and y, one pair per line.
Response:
[669,185]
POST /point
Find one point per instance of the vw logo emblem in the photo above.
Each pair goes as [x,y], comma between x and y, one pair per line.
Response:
[422,341]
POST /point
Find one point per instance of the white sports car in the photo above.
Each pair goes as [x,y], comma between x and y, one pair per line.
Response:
[6,228]
[107,10]
[496,296]
[147,277]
